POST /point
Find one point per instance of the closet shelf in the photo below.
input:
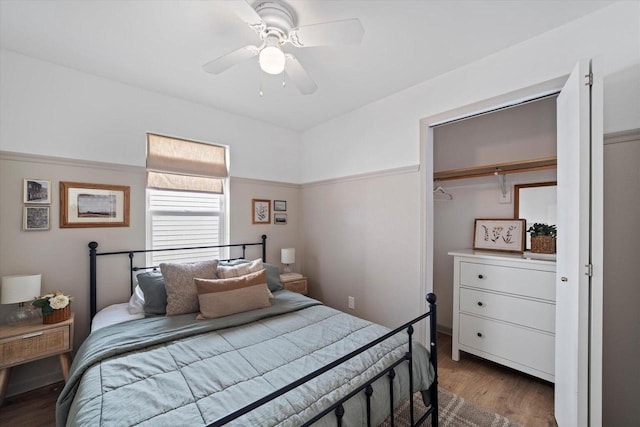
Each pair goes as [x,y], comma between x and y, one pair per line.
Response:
[501,168]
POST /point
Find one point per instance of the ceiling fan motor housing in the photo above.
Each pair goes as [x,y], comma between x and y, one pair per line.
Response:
[279,20]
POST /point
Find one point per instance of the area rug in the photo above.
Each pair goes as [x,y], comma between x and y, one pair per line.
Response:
[454,412]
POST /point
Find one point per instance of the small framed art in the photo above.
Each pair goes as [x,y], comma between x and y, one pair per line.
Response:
[261,211]
[280,205]
[504,235]
[37,191]
[93,205]
[280,218]
[35,218]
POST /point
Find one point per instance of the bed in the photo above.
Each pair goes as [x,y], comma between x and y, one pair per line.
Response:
[290,362]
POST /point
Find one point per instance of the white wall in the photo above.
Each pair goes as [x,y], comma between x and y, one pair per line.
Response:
[385,134]
[56,111]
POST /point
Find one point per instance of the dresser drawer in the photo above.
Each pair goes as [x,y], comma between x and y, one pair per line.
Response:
[299,286]
[514,280]
[32,346]
[534,314]
[520,345]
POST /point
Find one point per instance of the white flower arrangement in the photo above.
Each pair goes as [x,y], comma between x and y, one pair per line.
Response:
[53,301]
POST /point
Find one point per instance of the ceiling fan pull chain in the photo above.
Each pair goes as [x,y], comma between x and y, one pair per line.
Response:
[260,84]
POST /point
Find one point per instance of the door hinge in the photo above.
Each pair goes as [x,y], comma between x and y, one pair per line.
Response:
[589,271]
[588,79]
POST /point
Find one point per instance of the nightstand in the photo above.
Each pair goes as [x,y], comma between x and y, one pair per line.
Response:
[294,282]
[25,343]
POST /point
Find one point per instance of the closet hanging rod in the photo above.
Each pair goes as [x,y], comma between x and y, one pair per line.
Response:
[505,168]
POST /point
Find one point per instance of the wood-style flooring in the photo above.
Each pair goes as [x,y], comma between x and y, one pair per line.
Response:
[521,398]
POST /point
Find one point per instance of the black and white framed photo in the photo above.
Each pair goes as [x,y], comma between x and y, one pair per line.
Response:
[504,235]
[37,191]
[280,218]
[93,205]
[279,205]
[35,218]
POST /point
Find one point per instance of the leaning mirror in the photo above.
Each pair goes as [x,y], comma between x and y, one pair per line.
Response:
[536,203]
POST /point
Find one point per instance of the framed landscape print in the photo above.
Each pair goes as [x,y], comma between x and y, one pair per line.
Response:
[37,191]
[93,205]
[280,218]
[504,235]
[279,205]
[35,218]
[261,211]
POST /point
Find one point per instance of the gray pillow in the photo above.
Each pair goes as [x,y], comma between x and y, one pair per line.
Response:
[273,277]
[155,294]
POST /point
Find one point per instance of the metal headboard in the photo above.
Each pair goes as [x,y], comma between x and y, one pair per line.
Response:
[93,254]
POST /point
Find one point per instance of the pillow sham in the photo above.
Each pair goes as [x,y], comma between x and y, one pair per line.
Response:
[228,272]
[182,296]
[155,294]
[136,302]
[223,297]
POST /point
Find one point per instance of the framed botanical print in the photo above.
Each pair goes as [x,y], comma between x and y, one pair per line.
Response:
[261,211]
[504,235]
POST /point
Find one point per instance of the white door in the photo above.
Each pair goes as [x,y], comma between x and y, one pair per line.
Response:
[577,214]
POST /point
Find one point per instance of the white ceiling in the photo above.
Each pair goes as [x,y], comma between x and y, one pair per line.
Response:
[161,45]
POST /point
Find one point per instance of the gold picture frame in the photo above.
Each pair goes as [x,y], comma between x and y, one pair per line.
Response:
[261,211]
[85,205]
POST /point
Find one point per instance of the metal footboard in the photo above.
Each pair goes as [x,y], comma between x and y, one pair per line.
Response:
[338,407]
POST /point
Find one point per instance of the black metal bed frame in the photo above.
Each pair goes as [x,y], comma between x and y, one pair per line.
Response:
[338,406]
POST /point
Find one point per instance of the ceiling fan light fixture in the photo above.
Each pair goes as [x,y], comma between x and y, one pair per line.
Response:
[272,60]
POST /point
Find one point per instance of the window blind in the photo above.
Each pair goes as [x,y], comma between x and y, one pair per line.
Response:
[179,164]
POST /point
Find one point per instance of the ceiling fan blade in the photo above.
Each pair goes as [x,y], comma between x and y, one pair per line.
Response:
[247,13]
[299,76]
[349,31]
[227,61]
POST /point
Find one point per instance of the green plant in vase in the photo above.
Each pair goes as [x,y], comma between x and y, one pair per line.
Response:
[543,238]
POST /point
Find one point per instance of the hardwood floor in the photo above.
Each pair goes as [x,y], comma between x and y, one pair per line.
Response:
[522,398]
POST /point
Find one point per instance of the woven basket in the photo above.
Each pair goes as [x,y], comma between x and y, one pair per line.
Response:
[543,245]
[56,316]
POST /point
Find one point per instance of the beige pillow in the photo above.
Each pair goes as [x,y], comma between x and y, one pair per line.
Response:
[222,297]
[182,296]
[227,272]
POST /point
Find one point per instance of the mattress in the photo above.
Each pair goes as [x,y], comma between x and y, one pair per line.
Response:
[113,314]
[179,371]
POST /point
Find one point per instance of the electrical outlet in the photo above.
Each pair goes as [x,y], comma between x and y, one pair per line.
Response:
[352,302]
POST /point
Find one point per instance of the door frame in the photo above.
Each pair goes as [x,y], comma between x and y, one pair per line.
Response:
[427,211]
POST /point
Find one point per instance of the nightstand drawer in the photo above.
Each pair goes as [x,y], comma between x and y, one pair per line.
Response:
[31,346]
[299,286]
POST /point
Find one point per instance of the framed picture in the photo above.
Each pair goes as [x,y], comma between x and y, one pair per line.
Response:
[504,235]
[35,218]
[280,218]
[37,191]
[93,205]
[261,211]
[280,205]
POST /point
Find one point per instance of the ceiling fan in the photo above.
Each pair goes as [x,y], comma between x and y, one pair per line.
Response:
[275,23]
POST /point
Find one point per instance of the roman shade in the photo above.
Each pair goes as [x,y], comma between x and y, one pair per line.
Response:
[179,164]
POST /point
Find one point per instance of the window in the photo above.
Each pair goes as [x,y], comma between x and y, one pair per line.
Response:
[186,202]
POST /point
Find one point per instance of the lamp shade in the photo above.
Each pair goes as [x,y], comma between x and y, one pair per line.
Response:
[20,288]
[288,255]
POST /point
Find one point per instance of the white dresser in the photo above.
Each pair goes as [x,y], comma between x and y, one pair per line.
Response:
[504,310]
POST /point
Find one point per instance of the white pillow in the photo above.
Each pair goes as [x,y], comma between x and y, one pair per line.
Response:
[136,302]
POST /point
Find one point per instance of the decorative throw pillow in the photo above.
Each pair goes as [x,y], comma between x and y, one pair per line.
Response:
[227,272]
[273,277]
[155,294]
[182,296]
[223,297]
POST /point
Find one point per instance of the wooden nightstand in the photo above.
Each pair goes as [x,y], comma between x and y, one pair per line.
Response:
[294,282]
[26,343]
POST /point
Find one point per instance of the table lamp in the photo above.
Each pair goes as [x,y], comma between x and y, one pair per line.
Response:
[19,289]
[287,256]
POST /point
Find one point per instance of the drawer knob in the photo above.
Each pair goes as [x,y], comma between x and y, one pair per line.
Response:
[564,279]
[480,334]
[480,276]
[480,303]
